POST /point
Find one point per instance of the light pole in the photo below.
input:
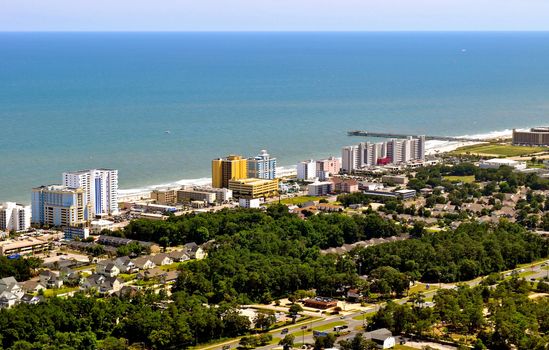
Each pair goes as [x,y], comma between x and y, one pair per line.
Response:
[363,318]
[303,328]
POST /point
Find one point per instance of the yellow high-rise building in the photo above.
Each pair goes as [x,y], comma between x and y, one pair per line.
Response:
[226,169]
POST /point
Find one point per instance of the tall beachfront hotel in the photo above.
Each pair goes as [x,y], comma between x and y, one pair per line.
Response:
[394,151]
[59,206]
[100,187]
[14,217]
[262,166]
[226,169]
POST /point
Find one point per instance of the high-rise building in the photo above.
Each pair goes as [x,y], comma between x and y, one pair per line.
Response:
[396,151]
[534,137]
[306,170]
[100,187]
[331,166]
[405,150]
[371,153]
[14,217]
[349,159]
[226,169]
[262,166]
[59,206]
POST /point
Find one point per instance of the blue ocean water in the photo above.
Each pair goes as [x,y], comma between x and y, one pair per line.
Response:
[77,100]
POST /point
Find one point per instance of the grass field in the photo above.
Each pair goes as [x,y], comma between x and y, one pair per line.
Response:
[464,179]
[496,150]
[299,200]
[328,326]
[49,293]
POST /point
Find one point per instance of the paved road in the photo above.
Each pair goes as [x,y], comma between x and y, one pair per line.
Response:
[354,326]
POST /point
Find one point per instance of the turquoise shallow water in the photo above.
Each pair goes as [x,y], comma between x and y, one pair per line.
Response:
[78,100]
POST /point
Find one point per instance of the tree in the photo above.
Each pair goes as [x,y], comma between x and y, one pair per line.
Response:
[295,309]
[264,319]
[288,340]
[358,343]
[326,341]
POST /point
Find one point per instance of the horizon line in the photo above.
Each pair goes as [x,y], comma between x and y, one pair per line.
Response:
[280,31]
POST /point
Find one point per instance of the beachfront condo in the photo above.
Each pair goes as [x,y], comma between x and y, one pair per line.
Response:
[100,187]
[262,166]
[230,168]
[59,206]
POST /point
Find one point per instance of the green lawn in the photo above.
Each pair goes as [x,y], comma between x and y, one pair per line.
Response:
[170,267]
[48,293]
[299,200]
[496,150]
[464,179]
[328,326]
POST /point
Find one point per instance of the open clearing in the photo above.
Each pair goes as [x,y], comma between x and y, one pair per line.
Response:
[497,150]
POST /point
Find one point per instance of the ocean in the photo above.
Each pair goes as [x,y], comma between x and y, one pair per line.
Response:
[160,106]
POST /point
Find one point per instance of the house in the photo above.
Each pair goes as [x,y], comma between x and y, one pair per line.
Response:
[31,299]
[50,279]
[161,259]
[382,337]
[102,284]
[125,265]
[70,277]
[354,294]
[32,287]
[194,251]
[10,285]
[8,299]
[154,273]
[178,255]
[143,263]
[107,268]
[320,303]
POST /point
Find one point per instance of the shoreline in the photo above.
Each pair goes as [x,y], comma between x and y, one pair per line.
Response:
[432,147]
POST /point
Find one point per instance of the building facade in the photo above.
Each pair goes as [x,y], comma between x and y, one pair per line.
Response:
[254,188]
[320,188]
[14,217]
[328,166]
[100,187]
[59,206]
[395,151]
[534,137]
[306,170]
[167,197]
[229,168]
[262,166]
[187,196]
[349,159]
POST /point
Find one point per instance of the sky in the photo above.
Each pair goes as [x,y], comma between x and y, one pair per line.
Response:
[274,15]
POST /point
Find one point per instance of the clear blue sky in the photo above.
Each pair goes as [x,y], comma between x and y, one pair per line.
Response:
[272,15]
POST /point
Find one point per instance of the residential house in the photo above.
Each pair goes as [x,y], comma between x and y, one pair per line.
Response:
[178,255]
[32,299]
[10,284]
[32,287]
[102,284]
[161,259]
[195,251]
[10,292]
[125,265]
[50,279]
[107,268]
[143,263]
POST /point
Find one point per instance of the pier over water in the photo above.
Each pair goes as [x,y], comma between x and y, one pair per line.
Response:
[386,135]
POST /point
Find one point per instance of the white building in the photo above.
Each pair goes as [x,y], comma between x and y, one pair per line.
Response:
[262,166]
[369,153]
[249,203]
[100,186]
[349,159]
[306,170]
[320,188]
[221,194]
[14,217]
[405,150]
[498,162]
